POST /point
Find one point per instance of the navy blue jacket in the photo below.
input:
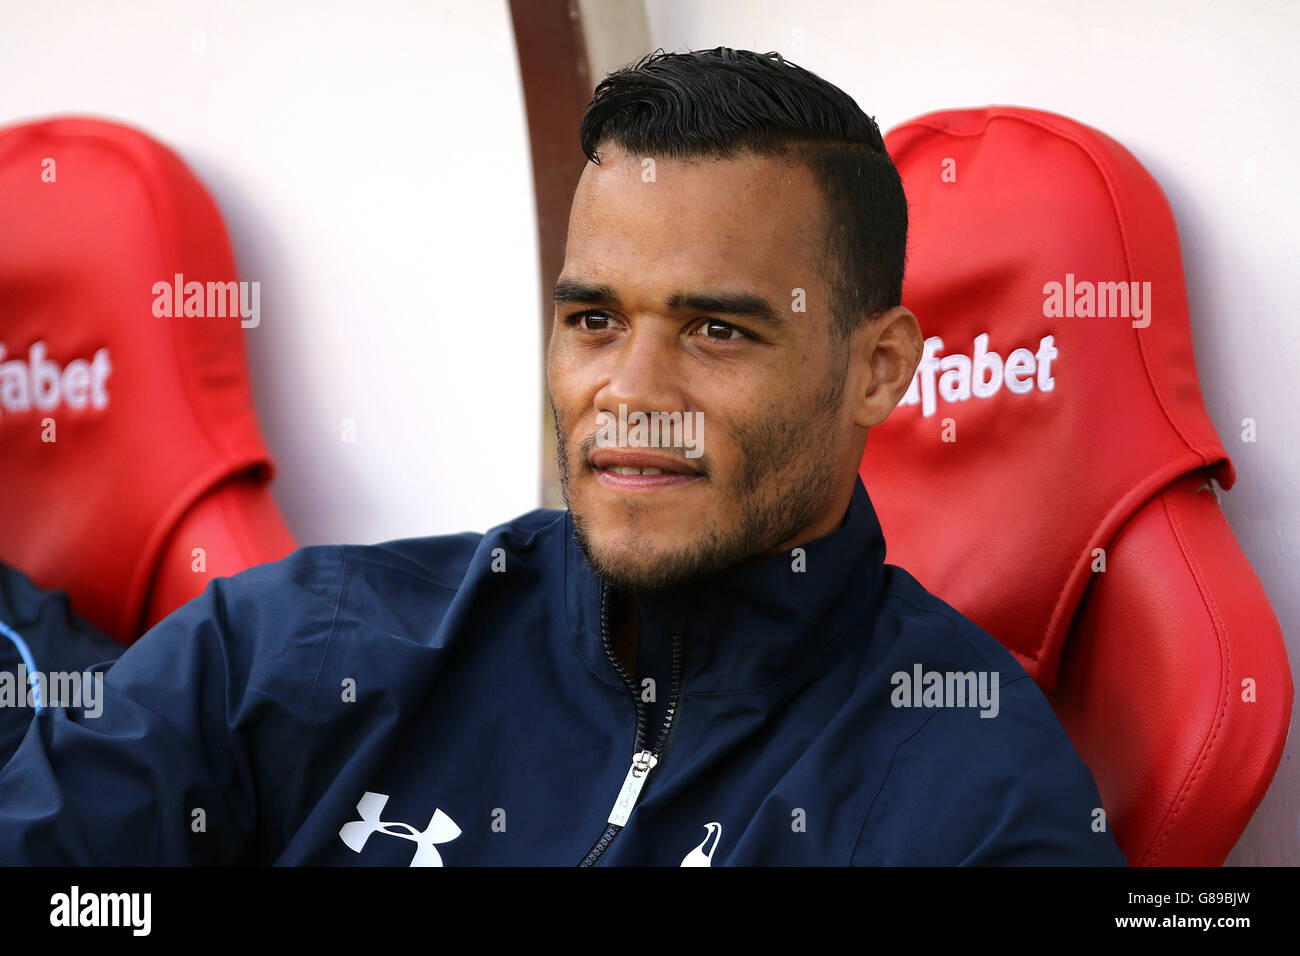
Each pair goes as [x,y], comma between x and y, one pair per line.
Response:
[55,639]
[454,700]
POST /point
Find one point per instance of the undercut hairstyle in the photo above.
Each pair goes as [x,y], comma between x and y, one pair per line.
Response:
[714,104]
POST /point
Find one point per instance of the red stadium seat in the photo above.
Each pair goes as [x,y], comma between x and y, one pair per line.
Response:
[132,469]
[1049,473]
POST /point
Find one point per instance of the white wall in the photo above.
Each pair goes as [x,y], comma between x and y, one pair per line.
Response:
[371,159]
[1206,96]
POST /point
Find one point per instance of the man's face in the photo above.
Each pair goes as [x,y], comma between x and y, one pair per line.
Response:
[691,287]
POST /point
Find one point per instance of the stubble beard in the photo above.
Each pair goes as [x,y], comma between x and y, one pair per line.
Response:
[783,485]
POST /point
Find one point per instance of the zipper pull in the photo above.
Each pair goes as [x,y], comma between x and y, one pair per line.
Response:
[643,761]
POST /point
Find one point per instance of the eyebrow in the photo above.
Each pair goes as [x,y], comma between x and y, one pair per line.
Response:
[745,304]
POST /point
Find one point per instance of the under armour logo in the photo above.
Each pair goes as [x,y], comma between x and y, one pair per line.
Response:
[700,856]
[441,829]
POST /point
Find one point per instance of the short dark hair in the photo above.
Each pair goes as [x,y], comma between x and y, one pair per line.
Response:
[716,103]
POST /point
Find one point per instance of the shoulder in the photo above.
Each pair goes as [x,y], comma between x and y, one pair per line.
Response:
[981,770]
[967,697]
[299,599]
[445,561]
[317,572]
[921,623]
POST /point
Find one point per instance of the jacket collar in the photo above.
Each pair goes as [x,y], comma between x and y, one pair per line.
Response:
[753,625]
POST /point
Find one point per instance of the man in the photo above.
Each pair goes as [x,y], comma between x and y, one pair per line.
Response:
[703,661]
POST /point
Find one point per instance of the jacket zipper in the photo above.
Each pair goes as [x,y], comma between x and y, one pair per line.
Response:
[643,761]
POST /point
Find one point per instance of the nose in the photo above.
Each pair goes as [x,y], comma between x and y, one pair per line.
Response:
[643,375]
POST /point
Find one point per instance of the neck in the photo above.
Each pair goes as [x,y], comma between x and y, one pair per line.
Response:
[832,517]
[622,627]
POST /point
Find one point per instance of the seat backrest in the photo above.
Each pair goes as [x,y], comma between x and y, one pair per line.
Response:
[1057,401]
[124,399]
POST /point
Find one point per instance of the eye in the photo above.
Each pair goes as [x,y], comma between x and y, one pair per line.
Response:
[720,331]
[591,321]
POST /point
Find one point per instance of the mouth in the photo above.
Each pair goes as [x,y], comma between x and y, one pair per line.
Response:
[634,471]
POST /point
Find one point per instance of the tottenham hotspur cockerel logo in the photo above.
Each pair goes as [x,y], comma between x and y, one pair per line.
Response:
[441,829]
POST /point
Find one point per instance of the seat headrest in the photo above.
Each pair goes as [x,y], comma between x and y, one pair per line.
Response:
[117,409]
[1058,388]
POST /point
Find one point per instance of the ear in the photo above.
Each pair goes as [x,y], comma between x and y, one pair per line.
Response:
[885,351]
